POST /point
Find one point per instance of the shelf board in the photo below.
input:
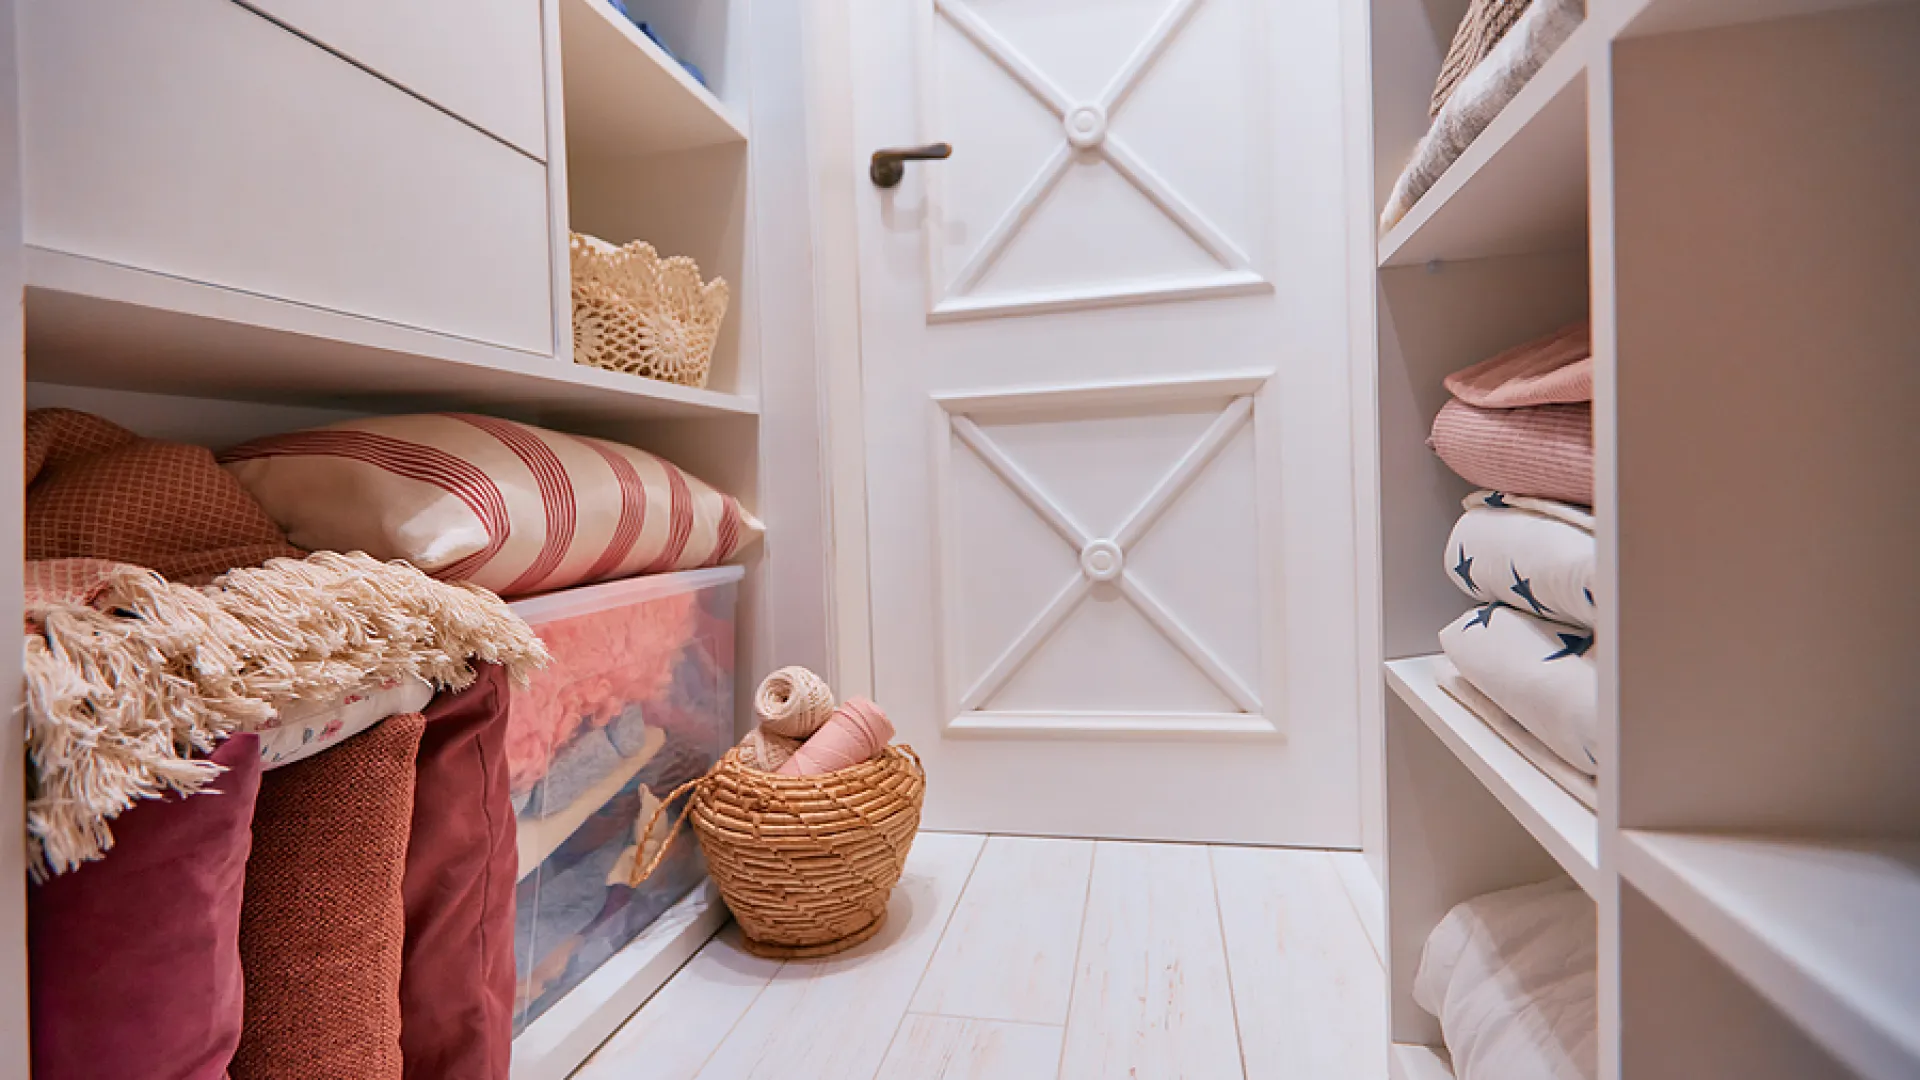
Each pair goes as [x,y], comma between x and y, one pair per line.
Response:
[1645,18]
[1521,187]
[93,323]
[1824,930]
[1411,1061]
[1569,831]
[625,97]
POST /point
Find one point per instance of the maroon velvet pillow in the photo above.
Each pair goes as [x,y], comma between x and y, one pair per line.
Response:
[135,960]
[456,980]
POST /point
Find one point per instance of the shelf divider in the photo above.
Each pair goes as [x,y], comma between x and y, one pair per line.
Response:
[1823,929]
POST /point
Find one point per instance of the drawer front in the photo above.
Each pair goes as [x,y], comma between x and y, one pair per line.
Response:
[477,59]
[197,139]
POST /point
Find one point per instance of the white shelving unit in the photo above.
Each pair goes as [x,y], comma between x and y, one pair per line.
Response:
[1568,831]
[1823,930]
[610,66]
[93,323]
[233,217]
[1413,1062]
[1521,187]
[1723,185]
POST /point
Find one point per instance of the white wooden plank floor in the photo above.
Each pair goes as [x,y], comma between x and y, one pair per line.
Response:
[1007,958]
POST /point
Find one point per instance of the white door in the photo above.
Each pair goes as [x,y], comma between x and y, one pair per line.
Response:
[1109,476]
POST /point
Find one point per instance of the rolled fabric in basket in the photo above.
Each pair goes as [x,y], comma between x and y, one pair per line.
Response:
[793,702]
[856,732]
[765,750]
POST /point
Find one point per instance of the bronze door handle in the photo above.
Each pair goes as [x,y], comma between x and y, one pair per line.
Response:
[890,165]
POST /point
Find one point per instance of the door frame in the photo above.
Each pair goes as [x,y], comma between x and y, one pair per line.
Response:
[836,179]
[837,173]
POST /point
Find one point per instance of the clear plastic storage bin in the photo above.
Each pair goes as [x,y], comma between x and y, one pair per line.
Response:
[638,700]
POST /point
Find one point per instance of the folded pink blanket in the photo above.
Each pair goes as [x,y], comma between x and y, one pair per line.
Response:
[1553,370]
[1544,451]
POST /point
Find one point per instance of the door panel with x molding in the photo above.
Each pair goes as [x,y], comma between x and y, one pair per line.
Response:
[1109,471]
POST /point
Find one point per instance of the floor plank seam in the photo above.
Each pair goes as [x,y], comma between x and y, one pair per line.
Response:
[1226,955]
[1374,944]
[1079,945]
[983,1019]
[947,924]
[755,1000]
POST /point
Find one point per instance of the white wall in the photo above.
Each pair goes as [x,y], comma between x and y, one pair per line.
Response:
[13,797]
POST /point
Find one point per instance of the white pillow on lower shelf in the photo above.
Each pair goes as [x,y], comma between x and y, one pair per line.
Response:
[1511,976]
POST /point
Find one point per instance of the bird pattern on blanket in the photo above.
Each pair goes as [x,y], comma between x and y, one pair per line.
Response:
[1544,674]
[1533,555]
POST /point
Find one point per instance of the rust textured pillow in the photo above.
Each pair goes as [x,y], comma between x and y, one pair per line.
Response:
[456,981]
[323,928]
[98,491]
[513,508]
[134,961]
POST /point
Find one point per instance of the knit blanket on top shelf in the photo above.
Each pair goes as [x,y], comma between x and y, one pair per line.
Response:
[1480,96]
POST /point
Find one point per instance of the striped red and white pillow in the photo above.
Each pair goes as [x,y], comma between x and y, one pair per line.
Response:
[514,508]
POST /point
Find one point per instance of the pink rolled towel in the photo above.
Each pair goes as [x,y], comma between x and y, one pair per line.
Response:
[856,731]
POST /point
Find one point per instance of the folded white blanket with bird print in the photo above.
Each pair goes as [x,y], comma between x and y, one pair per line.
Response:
[1535,555]
[1573,781]
[1544,674]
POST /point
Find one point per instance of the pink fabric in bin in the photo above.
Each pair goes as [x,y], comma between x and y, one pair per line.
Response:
[1545,451]
[602,662]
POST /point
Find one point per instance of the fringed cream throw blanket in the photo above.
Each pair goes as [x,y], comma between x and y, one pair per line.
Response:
[128,674]
[135,668]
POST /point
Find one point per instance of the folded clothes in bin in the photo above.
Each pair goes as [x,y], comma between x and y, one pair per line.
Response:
[638,700]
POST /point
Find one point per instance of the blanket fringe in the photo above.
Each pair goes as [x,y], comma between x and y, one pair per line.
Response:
[121,693]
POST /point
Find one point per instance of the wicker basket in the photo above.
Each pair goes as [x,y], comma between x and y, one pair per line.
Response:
[805,863]
[636,312]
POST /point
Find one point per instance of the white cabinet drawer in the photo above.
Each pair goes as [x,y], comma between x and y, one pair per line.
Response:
[197,139]
[477,59]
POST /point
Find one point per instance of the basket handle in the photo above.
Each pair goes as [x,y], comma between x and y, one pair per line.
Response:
[909,751]
[639,875]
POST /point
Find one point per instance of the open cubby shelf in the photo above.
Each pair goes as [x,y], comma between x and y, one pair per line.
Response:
[625,97]
[1567,830]
[1722,186]
[236,219]
[93,323]
[1521,187]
